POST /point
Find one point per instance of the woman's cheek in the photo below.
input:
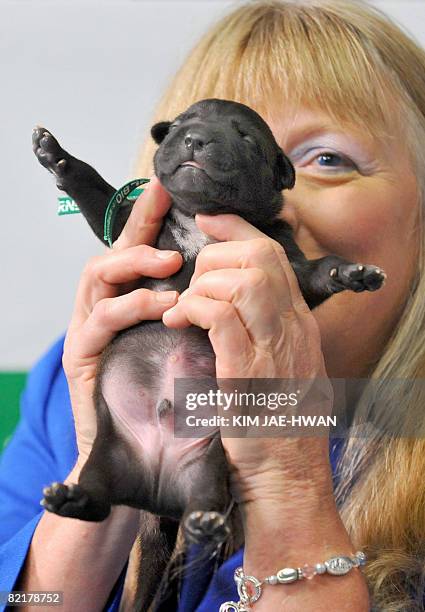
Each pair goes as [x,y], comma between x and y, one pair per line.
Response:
[358,220]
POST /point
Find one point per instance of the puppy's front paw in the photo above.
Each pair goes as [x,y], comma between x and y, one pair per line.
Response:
[50,154]
[358,277]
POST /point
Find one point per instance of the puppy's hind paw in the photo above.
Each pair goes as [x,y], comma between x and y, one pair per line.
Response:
[74,502]
[201,527]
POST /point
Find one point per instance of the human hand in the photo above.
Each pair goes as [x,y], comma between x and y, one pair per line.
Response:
[105,303]
[245,293]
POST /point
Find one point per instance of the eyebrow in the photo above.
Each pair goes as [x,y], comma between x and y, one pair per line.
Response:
[313,128]
[314,132]
[310,130]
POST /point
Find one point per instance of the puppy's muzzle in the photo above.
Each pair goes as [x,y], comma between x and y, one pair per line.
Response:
[196,140]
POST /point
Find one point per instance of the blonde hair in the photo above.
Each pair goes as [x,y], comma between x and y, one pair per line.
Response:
[350,60]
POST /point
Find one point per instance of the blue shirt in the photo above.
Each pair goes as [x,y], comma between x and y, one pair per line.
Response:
[42,450]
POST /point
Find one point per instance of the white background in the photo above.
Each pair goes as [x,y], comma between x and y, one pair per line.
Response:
[92,72]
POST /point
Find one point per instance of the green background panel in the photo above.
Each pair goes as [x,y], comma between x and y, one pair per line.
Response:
[11,386]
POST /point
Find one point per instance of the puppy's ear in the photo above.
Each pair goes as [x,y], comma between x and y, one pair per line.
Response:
[284,172]
[160,130]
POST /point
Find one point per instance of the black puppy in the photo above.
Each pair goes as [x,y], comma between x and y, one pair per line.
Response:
[216,157]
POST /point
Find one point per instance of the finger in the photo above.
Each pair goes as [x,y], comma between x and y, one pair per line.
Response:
[262,253]
[230,227]
[103,275]
[226,331]
[250,292]
[257,252]
[227,227]
[134,262]
[111,315]
[146,217]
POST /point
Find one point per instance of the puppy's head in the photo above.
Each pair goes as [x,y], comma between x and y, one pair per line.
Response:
[221,156]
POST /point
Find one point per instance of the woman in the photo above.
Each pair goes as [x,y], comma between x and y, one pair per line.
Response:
[344,93]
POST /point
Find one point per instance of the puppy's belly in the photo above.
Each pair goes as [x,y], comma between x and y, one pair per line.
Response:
[137,383]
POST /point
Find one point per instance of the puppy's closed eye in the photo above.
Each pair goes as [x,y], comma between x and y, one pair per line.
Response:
[242,132]
[248,138]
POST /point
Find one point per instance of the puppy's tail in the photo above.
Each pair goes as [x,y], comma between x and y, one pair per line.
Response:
[155,541]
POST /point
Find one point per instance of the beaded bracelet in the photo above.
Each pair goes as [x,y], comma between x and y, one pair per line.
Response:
[250,588]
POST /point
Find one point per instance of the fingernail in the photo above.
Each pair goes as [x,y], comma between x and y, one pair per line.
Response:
[165,254]
[165,297]
[166,314]
[200,219]
[147,185]
[185,292]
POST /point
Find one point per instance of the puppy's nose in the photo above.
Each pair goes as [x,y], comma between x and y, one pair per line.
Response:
[195,140]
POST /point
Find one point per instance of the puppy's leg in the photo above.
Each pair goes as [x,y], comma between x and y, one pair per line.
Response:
[112,475]
[89,500]
[80,181]
[205,518]
[321,278]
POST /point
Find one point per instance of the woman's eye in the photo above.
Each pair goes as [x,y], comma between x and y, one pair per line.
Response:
[333,161]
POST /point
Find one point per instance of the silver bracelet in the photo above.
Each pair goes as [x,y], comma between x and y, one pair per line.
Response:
[250,588]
